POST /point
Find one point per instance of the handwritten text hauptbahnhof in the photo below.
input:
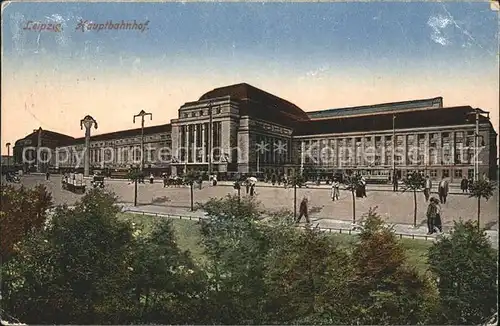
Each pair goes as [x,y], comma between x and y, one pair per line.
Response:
[88,26]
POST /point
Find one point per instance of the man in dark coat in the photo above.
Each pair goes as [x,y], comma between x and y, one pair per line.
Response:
[443,190]
[464,185]
[432,212]
[303,211]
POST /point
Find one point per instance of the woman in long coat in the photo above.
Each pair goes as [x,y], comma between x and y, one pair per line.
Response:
[431,215]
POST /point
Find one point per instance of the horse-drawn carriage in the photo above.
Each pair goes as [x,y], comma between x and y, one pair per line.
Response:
[98,181]
[74,182]
[169,181]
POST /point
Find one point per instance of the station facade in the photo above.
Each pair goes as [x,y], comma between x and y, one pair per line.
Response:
[253,132]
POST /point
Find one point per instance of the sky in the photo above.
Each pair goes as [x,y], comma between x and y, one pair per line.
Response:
[315,55]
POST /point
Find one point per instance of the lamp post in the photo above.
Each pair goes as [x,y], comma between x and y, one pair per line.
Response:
[8,155]
[477,112]
[87,122]
[210,138]
[142,114]
[394,152]
[38,145]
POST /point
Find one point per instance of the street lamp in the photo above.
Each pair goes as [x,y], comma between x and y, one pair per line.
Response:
[477,112]
[394,180]
[8,155]
[87,122]
[38,145]
[142,114]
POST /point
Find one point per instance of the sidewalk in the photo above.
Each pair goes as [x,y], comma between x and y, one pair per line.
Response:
[454,188]
[326,224]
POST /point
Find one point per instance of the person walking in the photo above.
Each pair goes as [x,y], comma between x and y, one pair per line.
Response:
[200,181]
[437,222]
[47,175]
[427,188]
[464,184]
[443,190]
[252,189]
[303,211]
[247,186]
[214,180]
[395,181]
[151,178]
[335,189]
[363,187]
[431,215]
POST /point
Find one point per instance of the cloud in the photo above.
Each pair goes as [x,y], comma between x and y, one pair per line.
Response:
[438,24]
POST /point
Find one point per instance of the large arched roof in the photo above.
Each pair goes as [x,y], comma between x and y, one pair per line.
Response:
[259,104]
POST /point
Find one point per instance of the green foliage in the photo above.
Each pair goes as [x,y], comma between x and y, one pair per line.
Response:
[482,189]
[414,181]
[24,211]
[235,249]
[352,182]
[466,266]
[88,267]
[384,289]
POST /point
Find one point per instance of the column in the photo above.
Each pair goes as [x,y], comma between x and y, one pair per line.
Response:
[195,144]
[302,150]
[186,143]
[203,158]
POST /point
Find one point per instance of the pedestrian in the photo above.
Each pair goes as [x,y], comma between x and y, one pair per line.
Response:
[464,184]
[443,190]
[431,215]
[469,184]
[214,180]
[151,178]
[363,187]
[303,211]
[200,181]
[285,181]
[335,189]
[252,189]
[247,186]
[273,179]
[427,188]
[47,175]
[437,222]
[395,181]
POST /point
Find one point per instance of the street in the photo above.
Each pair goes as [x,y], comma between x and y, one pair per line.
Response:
[393,207]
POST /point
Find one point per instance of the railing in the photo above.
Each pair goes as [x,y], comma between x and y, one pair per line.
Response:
[324,229]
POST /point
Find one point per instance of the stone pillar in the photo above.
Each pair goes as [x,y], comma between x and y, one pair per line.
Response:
[195,142]
[186,143]
[203,155]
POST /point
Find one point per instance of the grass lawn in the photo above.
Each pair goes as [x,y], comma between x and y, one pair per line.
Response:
[189,237]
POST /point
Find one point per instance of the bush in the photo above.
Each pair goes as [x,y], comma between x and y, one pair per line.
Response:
[466,266]
[24,211]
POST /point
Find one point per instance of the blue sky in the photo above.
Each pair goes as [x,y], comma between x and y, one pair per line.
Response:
[292,34]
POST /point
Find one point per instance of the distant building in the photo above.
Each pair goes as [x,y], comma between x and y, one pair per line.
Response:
[256,132]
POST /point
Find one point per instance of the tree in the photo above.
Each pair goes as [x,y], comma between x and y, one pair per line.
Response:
[481,188]
[414,182]
[384,288]
[167,285]
[235,249]
[296,180]
[306,276]
[23,212]
[352,183]
[465,265]
[75,271]
[90,267]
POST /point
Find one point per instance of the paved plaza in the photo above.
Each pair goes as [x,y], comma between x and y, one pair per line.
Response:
[393,207]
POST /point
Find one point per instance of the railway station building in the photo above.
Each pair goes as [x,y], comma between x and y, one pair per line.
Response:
[253,131]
